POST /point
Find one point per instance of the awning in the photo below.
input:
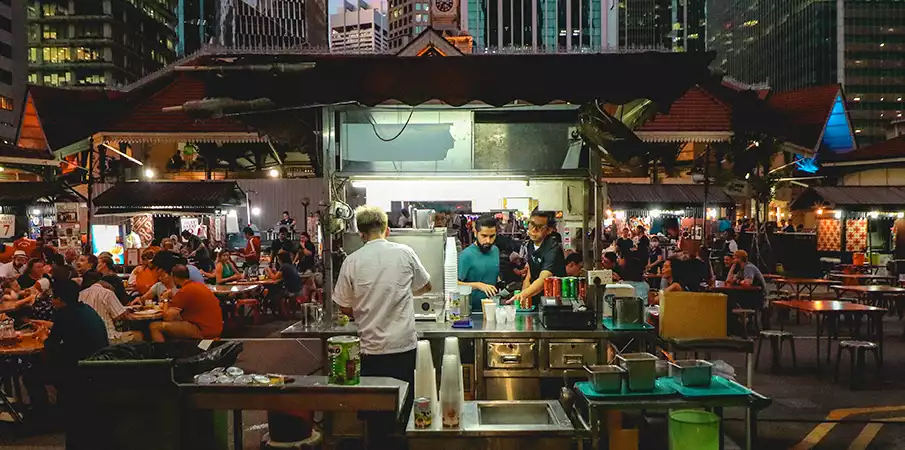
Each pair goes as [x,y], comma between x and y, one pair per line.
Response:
[20,193]
[176,197]
[857,198]
[665,195]
[497,79]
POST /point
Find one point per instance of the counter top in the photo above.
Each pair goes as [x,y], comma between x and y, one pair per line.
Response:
[525,326]
[470,422]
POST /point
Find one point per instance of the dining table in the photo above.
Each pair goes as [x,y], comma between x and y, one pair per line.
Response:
[863,278]
[826,311]
[27,346]
[800,285]
[230,290]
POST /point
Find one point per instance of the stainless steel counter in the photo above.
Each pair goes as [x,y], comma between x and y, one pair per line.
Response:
[472,425]
[525,326]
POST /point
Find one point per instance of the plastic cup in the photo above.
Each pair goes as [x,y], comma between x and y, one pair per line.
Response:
[693,430]
[490,314]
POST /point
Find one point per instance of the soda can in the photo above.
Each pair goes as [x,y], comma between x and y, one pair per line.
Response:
[573,287]
[557,287]
[423,411]
[344,354]
[548,287]
[582,288]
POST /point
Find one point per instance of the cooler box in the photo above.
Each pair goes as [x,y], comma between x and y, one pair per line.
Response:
[692,315]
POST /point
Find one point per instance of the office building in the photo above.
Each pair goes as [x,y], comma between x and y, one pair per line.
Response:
[359,29]
[792,44]
[688,21]
[408,18]
[196,25]
[542,25]
[273,24]
[98,42]
[13,66]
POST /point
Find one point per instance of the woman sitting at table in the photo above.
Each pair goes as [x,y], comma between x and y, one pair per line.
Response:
[144,277]
[670,281]
[163,290]
[15,298]
[225,271]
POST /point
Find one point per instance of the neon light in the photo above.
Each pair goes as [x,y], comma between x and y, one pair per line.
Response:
[837,133]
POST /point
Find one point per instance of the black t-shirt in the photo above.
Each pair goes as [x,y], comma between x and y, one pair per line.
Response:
[291,279]
[644,245]
[306,262]
[26,281]
[77,333]
[549,256]
[624,246]
[697,272]
[281,244]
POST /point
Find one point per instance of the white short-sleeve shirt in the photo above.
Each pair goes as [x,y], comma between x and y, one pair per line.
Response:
[376,282]
[105,303]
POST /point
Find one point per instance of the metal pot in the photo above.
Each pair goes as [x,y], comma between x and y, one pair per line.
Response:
[628,311]
[642,370]
[692,372]
[605,378]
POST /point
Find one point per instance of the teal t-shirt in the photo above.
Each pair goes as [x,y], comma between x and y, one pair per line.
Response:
[475,266]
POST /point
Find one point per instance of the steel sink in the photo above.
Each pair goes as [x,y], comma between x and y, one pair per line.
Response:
[515,413]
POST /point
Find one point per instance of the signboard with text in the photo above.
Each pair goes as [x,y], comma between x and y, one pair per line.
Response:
[7,226]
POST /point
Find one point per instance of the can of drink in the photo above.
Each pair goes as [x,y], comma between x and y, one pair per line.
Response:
[557,287]
[344,353]
[567,288]
[548,287]
[582,288]
[573,287]
[423,412]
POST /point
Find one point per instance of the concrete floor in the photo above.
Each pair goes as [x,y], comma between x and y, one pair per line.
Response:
[802,398]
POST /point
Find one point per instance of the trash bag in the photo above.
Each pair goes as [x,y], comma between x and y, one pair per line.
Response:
[221,354]
[723,369]
[186,358]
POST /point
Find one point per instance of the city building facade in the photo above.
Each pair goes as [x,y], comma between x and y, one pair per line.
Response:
[408,18]
[359,29]
[792,44]
[13,66]
[98,43]
[196,25]
[273,24]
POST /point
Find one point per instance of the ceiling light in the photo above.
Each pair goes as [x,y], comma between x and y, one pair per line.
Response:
[899,99]
[149,173]
[857,99]
[2,169]
[36,212]
[274,173]
[882,98]
[820,212]
[256,211]
[882,44]
[838,214]
[857,131]
[874,214]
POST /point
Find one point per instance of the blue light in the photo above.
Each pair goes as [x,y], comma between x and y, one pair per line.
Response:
[807,165]
[837,133]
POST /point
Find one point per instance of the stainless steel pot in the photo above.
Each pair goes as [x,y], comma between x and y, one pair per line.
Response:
[693,372]
[605,378]
[628,311]
[642,370]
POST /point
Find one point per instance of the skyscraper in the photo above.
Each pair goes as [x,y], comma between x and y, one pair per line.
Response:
[408,18]
[542,25]
[273,24]
[792,44]
[98,42]
[13,66]
[196,25]
[359,29]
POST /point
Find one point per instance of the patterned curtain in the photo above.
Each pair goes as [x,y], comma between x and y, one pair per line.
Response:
[856,235]
[829,235]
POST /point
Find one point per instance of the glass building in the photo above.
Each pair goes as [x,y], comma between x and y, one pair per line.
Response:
[792,44]
[545,25]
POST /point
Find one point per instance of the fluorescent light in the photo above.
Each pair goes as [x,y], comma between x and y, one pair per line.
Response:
[874,214]
[900,214]
[857,99]
[838,214]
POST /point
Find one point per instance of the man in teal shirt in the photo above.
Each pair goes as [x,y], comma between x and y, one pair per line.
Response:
[479,263]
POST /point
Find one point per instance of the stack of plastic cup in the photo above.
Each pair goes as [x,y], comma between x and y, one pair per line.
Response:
[450,399]
[426,375]
[451,347]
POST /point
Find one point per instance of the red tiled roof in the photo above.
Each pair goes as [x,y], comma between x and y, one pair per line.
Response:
[892,148]
[697,110]
[805,112]
[147,116]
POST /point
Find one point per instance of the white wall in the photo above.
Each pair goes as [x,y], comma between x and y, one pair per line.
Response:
[876,177]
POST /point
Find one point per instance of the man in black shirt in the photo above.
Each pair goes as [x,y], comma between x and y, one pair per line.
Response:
[624,244]
[282,244]
[545,255]
[105,267]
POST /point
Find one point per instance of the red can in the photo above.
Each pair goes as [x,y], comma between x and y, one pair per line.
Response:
[548,287]
[582,288]
[557,287]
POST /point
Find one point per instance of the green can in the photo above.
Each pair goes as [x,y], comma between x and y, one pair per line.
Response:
[344,355]
[567,291]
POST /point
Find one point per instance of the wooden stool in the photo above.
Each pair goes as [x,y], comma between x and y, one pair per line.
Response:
[856,350]
[251,303]
[776,339]
[744,314]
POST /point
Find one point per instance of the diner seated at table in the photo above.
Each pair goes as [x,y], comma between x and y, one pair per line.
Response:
[144,276]
[163,290]
[728,265]
[288,274]
[225,271]
[15,298]
[76,333]
[99,295]
[745,273]
[105,266]
[59,269]
[672,279]
[611,262]
[193,313]
[34,274]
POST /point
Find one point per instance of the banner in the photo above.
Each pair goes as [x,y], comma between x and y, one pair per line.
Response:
[7,225]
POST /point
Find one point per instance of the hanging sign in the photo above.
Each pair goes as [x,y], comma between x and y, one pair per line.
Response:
[7,225]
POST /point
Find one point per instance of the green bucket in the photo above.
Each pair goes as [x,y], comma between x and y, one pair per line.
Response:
[691,429]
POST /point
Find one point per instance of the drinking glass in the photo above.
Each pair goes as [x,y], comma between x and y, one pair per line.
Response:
[312,314]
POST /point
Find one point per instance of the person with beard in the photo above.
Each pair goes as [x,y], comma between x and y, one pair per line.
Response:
[479,263]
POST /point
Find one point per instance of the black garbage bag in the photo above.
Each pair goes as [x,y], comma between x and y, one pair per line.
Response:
[186,358]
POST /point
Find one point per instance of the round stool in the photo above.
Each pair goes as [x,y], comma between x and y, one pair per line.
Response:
[776,339]
[856,351]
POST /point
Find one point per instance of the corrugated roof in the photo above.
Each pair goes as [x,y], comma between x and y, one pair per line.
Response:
[627,194]
[891,148]
[27,192]
[69,115]
[174,196]
[147,115]
[697,110]
[859,197]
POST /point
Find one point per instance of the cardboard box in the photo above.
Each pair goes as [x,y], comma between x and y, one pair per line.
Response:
[693,315]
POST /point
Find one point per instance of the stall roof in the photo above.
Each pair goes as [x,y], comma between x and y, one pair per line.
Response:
[26,192]
[852,197]
[495,79]
[173,196]
[628,194]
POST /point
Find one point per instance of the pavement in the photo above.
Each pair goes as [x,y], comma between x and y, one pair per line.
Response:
[809,410]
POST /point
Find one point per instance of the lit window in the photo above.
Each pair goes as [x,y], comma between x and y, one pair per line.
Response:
[6,103]
[417,6]
[56,54]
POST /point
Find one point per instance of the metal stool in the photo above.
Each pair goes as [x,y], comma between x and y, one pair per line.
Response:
[776,339]
[743,316]
[856,350]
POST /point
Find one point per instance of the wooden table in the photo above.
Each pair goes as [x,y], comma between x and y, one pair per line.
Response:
[863,268]
[234,289]
[824,310]
[728,288]
[799,285]
[255,283]
[27,346]
[862,278]
[772,276]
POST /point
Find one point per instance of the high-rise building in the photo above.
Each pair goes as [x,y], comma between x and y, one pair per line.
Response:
[196,25]
[408,18]
[542,25]
[273,24]
[791,44]
[13,66]
[689,25]
[98,42]
[359,29]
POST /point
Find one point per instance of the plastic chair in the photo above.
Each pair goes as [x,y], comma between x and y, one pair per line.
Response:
[776,339]
[250,303]
[856,350]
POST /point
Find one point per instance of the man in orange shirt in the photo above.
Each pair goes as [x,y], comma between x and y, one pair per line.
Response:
[252,252]
[193,313]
